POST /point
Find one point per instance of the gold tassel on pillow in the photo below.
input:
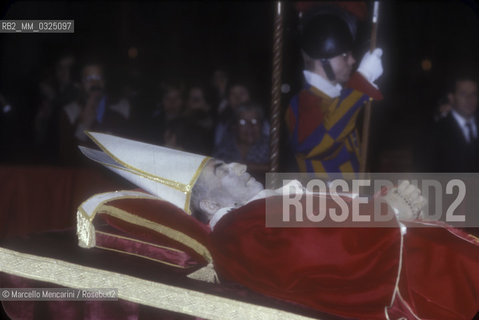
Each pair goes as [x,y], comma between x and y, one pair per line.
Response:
[85,231]
[207,274]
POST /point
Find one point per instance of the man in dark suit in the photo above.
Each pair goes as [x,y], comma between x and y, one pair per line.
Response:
[454,141]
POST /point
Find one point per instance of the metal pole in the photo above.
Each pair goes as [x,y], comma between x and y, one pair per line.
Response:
[367,111]
[276,87]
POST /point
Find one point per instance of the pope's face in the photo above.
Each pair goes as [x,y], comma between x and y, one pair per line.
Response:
[229,184]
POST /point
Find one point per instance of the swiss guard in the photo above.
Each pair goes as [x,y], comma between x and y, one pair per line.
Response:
[321,118]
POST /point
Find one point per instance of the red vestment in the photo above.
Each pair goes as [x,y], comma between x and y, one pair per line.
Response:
[352,272]
[362,273]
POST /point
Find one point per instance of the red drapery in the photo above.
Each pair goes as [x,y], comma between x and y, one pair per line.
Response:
[40,198]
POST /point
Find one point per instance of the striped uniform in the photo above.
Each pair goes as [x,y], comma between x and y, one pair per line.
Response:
[322,129]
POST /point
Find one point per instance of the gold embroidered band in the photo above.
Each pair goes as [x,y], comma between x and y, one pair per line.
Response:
[136,290]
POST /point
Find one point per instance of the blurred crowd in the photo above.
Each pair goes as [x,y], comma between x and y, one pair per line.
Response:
[220,113]
[215,114]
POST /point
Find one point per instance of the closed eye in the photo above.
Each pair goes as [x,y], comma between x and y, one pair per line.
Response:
[221,170]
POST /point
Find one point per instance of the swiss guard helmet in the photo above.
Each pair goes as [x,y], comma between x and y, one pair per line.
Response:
[325,36]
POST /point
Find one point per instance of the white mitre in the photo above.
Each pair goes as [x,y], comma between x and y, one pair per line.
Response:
[163,172]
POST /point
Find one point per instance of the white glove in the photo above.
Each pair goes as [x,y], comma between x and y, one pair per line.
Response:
[406,201]
[371,67]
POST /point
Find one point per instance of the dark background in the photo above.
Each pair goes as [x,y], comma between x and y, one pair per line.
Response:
[190,39]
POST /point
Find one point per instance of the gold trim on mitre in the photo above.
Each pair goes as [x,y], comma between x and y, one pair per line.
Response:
[192,183]
[185,188]
[149,293]
[170,183]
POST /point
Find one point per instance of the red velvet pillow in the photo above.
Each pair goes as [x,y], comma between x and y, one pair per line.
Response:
[155,230]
